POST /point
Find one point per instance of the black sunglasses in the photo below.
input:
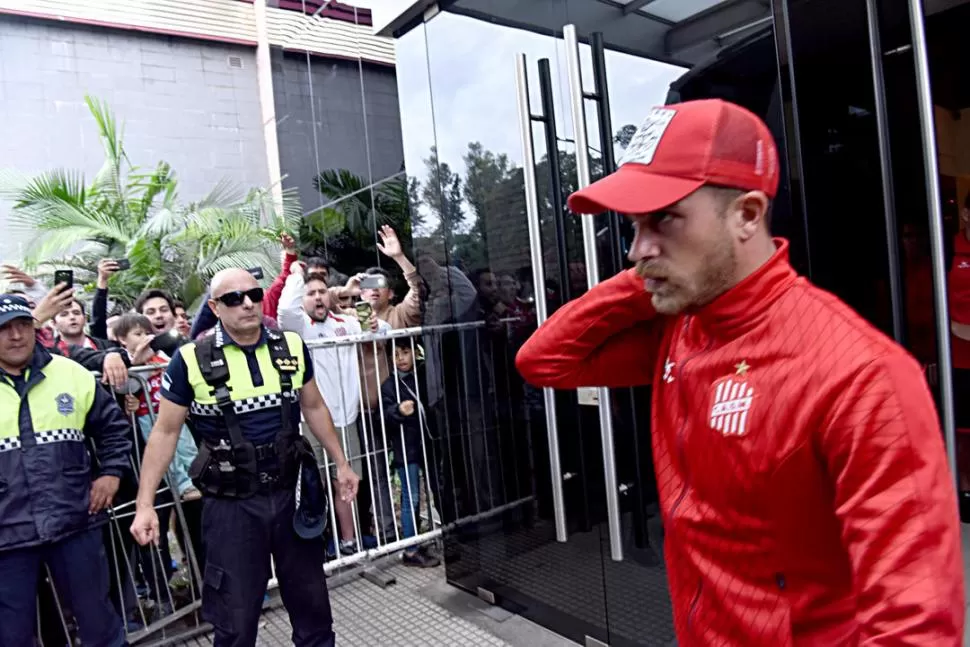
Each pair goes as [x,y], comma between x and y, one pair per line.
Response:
[237,297]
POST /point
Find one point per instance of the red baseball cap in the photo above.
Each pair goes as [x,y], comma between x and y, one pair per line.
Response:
[678,149]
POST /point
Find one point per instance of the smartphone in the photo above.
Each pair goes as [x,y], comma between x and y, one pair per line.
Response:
[64,276]
[364,314]
[257,273]
[373,282]
[123,264]
[164,341]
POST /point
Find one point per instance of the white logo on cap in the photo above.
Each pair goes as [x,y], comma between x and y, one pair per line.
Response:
[644,144]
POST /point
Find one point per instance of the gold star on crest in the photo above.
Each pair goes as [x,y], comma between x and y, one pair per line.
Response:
[743,368]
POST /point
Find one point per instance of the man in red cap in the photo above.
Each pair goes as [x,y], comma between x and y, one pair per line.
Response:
[803,481]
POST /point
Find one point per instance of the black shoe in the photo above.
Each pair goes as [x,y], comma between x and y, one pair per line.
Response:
[420,560]
[432,550]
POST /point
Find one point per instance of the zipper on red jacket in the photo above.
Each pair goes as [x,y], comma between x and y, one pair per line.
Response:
[683,427]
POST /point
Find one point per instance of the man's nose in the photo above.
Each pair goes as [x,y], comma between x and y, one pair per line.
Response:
[645,246]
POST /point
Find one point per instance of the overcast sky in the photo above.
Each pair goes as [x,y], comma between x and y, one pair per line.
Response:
[471,65]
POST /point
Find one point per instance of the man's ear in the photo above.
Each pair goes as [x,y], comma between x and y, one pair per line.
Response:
[751,210]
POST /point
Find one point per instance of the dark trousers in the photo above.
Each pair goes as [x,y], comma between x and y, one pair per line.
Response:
[240,535]
[377,470]
[79,568]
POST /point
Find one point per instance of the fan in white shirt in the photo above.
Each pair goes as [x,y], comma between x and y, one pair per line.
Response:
[309,308]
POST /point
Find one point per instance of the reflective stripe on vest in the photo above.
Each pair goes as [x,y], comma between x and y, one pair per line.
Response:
[245,396]
[59,405]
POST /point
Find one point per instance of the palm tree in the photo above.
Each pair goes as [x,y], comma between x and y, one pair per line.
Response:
[359,208]
[345,228]
[135,214]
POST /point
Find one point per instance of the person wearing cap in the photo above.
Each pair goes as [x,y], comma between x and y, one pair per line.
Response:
[53,493]
[803,480]
[244,388]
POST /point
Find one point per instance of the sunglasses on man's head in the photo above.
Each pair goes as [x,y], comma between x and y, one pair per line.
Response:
[237,297]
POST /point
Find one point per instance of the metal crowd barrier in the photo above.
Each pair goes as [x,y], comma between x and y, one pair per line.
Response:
[149,594]
[380,491]
[159,601]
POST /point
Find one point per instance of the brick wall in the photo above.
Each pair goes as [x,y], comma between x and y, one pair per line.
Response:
[179,99]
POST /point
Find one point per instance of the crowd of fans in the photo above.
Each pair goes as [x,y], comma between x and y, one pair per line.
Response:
[434,400]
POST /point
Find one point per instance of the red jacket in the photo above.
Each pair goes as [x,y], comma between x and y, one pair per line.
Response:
[803,480]
[271,300]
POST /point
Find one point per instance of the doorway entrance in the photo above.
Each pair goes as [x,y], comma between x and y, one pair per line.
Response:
[564,80]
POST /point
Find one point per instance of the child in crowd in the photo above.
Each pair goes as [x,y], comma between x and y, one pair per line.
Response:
[407,417]
[130,330]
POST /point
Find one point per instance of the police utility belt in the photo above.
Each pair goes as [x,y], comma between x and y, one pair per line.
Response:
[239,469]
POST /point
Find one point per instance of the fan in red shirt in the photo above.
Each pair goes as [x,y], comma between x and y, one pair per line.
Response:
[803,481]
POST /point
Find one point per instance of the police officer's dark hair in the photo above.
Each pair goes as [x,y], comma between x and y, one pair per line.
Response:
[131,321]
[317,276]
[317,261]
[378,271]
[154,293]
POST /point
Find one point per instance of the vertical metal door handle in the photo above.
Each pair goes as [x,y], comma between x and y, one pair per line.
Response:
[539,282]
[592,277]
[932,177]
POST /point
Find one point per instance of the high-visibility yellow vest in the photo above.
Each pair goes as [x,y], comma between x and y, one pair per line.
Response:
[245,395]
[58,404]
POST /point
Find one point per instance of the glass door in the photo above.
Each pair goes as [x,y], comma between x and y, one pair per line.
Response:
[523,462]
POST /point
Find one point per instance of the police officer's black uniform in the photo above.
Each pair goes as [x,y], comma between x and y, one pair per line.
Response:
[244,403]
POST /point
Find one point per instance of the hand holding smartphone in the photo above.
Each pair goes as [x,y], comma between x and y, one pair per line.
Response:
[373,282]
[65,277]
[365,313]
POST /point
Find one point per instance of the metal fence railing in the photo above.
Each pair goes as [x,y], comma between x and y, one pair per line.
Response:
[425,470]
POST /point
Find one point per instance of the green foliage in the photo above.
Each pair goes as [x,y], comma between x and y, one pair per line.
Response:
[130,212]
[344,228]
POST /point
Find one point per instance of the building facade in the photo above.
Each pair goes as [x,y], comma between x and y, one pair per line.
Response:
[184,80]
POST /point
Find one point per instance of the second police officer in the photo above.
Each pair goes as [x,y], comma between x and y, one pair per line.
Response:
[53,493]
[244,388]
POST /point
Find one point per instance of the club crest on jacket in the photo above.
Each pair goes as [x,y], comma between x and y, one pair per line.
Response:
[732,397]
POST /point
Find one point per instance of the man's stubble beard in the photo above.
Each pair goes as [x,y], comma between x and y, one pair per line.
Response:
[714,278]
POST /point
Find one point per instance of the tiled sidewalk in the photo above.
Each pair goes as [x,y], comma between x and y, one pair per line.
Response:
[367,616]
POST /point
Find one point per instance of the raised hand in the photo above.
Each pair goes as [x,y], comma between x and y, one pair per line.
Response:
[390,246]
[106,267]
[53,302]
[17,275]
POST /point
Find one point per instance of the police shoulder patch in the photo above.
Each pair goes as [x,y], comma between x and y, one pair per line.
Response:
[65,404]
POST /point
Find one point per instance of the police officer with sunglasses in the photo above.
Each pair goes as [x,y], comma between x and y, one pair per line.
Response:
[244,388]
